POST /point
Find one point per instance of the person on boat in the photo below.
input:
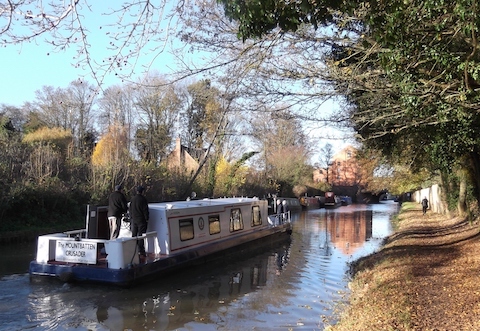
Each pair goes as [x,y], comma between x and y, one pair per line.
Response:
[117,206]
[284,209]
[424,205]
[279,206]
[139,214]
[279,211]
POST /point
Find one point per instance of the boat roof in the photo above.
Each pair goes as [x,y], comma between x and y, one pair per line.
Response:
[199,203]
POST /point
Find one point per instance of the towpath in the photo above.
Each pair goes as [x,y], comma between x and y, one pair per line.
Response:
[426,277]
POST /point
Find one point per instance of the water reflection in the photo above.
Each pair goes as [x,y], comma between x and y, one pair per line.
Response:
[349,231]
[292,286]
[173,302]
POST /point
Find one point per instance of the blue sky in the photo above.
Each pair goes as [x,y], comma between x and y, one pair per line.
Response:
[26,69]
[29,66]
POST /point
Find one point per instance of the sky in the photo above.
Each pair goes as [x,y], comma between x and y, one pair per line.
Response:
[28,67]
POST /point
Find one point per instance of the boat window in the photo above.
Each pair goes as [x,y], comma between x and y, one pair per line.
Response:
[236,220]
[214,224]
[256,216]
[186,229]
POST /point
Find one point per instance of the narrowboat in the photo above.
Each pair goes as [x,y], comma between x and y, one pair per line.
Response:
[332,200]
[179,234]
[310,202]
[293,204]
[345,200]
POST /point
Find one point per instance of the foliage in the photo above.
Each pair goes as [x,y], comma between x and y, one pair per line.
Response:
[35,207]
[299,190]
[111,148]
[378,174]
[231,177]
[259,17]
[110,162]
[425,56]
[203,114]
[408,72]
[288,168]
[56,136]
[222,178]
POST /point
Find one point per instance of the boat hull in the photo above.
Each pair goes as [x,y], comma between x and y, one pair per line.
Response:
[331,200]
[332,205]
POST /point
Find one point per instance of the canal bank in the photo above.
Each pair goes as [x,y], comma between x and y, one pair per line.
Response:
[425,277]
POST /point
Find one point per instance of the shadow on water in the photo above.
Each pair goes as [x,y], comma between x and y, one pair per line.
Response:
[293,285]
[15,258]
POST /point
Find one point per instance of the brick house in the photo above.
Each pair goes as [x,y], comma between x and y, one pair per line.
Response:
[183,159]
[343,171]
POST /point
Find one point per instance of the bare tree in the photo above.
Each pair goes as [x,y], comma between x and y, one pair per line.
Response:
[116,107]
[326,158]
[157,104]
[80,100]
[278,71]
[128,30]
[52,106]
[68,108]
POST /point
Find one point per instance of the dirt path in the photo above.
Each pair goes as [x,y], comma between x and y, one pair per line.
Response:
[426,277]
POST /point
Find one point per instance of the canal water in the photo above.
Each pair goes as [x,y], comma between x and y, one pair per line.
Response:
[295,286]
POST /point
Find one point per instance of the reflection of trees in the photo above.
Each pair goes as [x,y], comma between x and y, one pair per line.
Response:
[226,288]
[348,231]
[192,296]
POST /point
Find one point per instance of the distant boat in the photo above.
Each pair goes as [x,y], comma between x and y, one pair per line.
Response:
[345,200]
[331,200]
[293,204]
[310,202]
[179,234]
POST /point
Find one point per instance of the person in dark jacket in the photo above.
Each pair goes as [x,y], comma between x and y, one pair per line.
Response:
[424,205]
[139,215]
[285,209]
[117,206]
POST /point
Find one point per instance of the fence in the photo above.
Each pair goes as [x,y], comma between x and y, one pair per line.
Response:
[433,194]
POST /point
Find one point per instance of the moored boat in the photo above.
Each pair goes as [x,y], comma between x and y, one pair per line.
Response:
[345,200]
[179,234]
[332,200]
[293,204]
[310,202]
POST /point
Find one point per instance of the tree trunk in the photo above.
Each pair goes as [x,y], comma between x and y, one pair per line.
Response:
[475,159]
[443,193]
[462,193]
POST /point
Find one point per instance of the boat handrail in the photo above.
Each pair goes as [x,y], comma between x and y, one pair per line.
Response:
[143,236]
[279,219]
[75,232]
